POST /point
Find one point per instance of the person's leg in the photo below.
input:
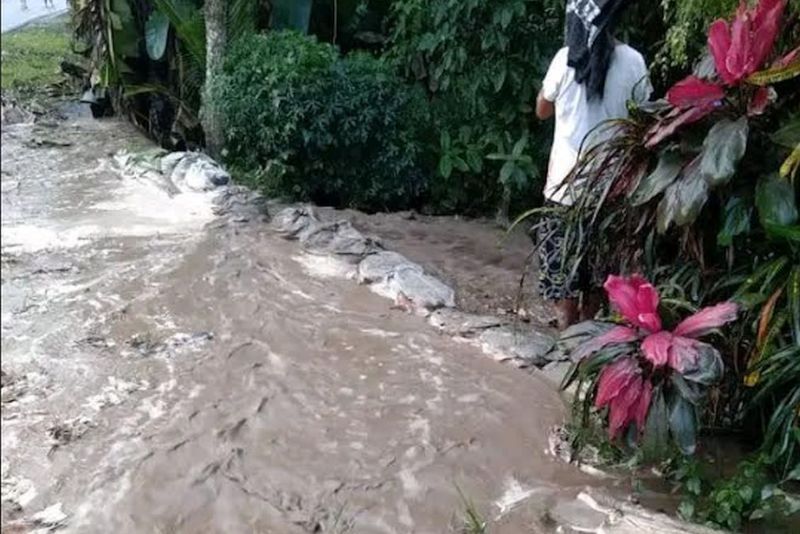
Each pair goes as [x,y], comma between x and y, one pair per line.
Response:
[568,312]
[591,303]
[594,271]
[555,283]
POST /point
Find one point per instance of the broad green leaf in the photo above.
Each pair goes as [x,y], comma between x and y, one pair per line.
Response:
[460,164]
[682,424]
[789,135]
[776,202]
[707,368]
[691,391]
[519,147]
[505,17]
[791,232]
[156,30]
[116,21]
[474,161]
[126,39]
[506,171]
[736,220]
[444,141]
[188,24]
[686,510]
[445,166]
[746,493]
[667,170]
[684,199]
[723,147]
[656,430]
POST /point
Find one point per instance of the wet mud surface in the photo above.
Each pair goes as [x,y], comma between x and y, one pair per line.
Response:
[168,370]
[484,263]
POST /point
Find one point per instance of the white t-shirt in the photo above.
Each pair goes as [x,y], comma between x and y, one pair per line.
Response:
[576,116]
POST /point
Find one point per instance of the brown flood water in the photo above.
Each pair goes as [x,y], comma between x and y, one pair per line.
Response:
[166,371]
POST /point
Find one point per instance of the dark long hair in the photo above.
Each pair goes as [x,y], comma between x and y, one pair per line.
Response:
[591,63]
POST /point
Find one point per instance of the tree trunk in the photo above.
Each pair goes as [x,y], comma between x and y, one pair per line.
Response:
[216,41]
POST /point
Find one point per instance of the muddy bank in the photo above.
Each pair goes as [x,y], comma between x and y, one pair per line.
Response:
[481,261]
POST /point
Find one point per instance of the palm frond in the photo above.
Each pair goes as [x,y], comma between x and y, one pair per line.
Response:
[189,26]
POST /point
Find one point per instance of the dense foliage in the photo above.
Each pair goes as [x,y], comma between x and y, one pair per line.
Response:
[307,123]
[751,493]
[481,62]
[700,193]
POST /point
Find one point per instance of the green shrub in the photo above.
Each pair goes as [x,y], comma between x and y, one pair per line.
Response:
[315,127]
[751,495]
[481,62]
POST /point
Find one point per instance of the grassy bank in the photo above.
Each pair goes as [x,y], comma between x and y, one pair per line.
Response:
[31,56]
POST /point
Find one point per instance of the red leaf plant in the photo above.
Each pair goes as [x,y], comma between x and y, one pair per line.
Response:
[624,385]
[739,49]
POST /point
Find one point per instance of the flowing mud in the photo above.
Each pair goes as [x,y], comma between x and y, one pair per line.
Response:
[169,370]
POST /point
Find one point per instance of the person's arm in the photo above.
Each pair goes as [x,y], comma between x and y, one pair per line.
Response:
[545,102]
[544,107]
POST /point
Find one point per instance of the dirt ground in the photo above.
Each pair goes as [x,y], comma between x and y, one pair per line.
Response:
[481,261]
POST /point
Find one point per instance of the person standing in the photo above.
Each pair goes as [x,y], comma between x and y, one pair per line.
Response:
[589,81]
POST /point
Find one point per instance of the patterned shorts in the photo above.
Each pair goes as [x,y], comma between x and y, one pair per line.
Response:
[559,277]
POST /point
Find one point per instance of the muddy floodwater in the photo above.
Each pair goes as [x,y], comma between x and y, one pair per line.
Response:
[170,369]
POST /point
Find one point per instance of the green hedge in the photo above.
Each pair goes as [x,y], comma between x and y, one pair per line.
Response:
[306,124]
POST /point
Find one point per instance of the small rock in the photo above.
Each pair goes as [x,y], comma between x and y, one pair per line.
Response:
[69,431]
[194,171]
[555,371]
[456,323]
[379,266]
[339,238]
[508,343]
[426,292]
[241,204]
[52,516]
[577,516]
[292,221]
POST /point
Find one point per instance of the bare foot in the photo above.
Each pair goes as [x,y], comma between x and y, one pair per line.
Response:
[567,312]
